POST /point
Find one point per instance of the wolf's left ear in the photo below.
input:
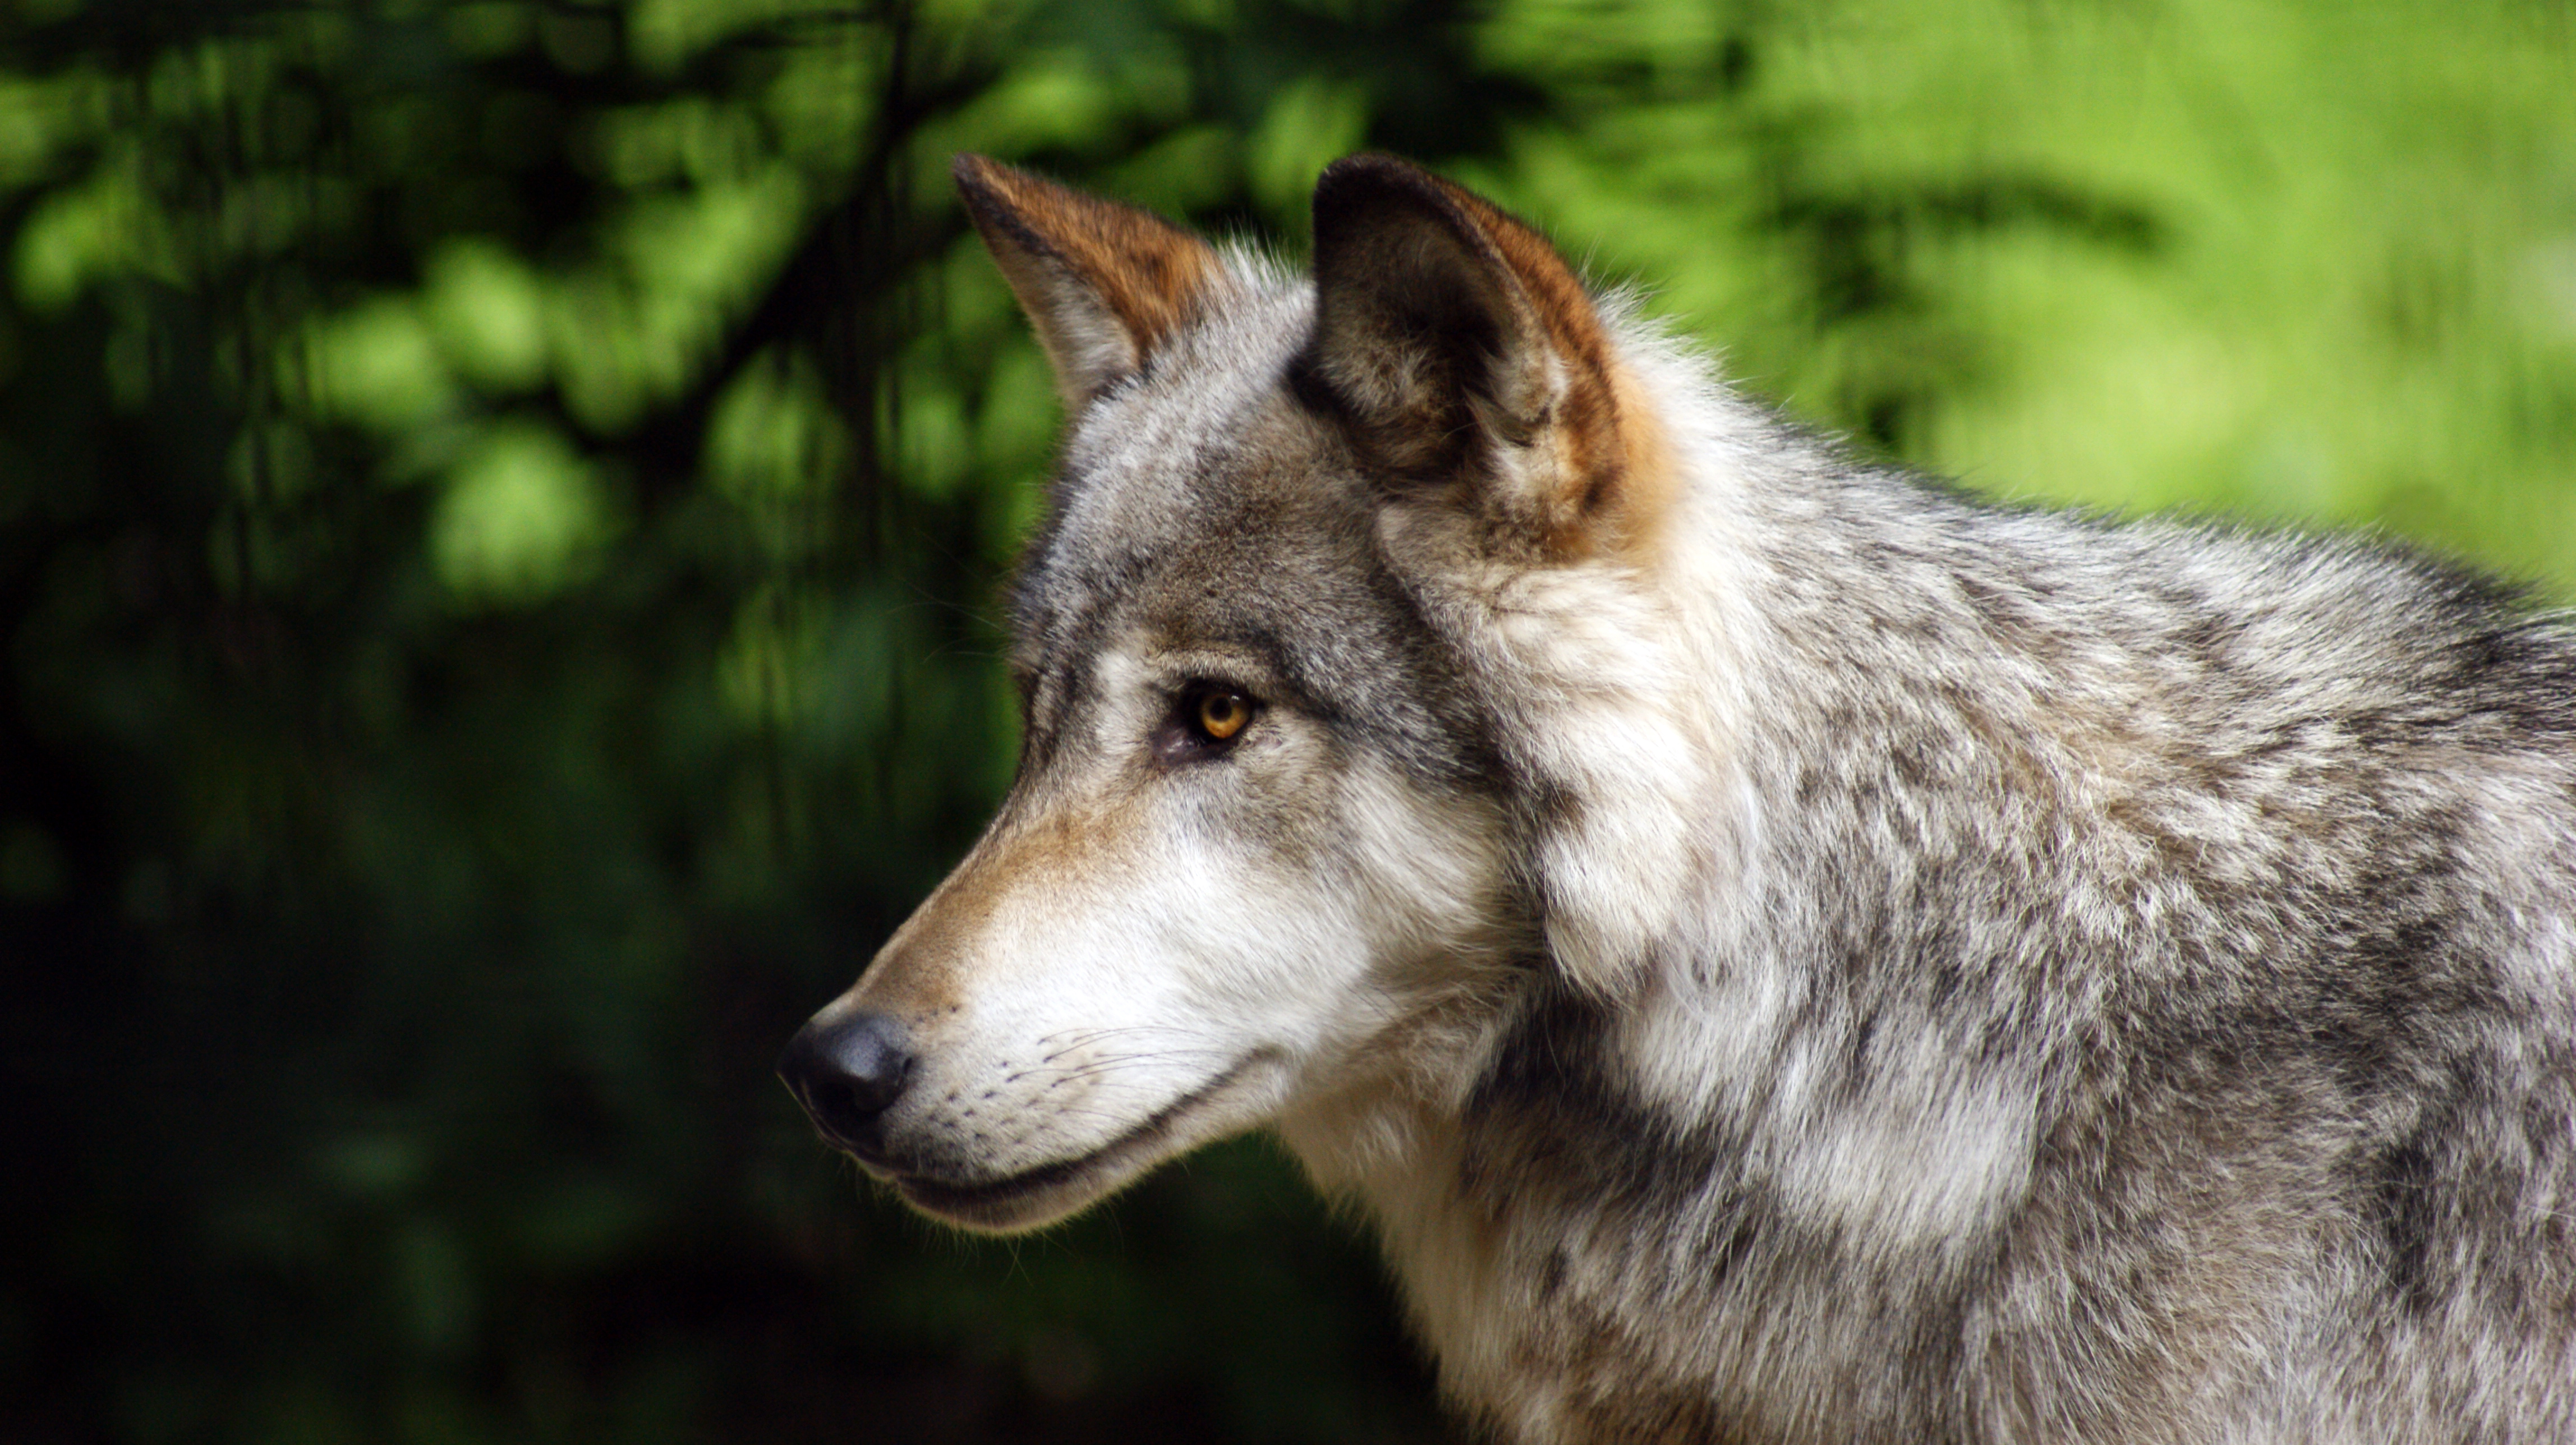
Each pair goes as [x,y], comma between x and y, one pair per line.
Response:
[1461,346]
[1104,284]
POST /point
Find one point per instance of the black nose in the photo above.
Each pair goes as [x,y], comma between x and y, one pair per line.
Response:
[847,1073]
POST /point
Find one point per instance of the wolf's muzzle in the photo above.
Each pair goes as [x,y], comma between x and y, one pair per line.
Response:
[847,1072]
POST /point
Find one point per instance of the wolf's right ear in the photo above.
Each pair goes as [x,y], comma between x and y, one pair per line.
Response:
[1461,348]
[1104,284]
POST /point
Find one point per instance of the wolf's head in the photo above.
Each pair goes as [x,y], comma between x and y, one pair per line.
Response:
[1345,723]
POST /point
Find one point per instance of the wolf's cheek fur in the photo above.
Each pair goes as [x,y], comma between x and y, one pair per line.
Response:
[1613,761]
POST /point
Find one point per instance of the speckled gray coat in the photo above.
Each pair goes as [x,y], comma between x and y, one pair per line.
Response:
[1780,951]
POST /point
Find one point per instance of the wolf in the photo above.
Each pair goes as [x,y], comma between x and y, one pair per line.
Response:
[1778,949]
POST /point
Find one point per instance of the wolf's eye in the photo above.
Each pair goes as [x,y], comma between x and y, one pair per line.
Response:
[1204,723]
[1220,715]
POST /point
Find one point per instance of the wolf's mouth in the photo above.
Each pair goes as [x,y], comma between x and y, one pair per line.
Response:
[1003,1201]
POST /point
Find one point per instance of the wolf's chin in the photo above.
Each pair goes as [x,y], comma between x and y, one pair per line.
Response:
[1036,1197]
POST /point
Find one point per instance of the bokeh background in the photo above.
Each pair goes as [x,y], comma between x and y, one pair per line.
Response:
[501,507]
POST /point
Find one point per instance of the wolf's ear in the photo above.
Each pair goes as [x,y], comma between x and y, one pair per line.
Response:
[1460,344]
[1104,284]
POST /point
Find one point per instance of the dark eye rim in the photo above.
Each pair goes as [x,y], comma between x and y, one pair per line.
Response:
[1184,735]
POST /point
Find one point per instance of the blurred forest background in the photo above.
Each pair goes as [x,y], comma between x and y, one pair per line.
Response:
[500,510]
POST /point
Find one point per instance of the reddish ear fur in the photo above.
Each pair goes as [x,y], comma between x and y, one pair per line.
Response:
[1103,283]
[1461,345]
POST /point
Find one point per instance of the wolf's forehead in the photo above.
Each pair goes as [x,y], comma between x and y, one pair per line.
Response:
[1179,428]
[1205,454]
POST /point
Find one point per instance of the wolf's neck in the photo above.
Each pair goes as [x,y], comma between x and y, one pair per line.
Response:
[1398,1161]
[1542,1224]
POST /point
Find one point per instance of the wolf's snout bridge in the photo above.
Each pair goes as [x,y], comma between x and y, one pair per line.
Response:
[847,1072]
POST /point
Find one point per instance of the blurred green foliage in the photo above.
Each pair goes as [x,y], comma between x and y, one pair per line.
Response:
[500,505]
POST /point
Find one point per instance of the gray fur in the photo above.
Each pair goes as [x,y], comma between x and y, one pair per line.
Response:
[2098,981]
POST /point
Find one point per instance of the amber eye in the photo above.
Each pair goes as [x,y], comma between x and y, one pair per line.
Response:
[1222,714]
